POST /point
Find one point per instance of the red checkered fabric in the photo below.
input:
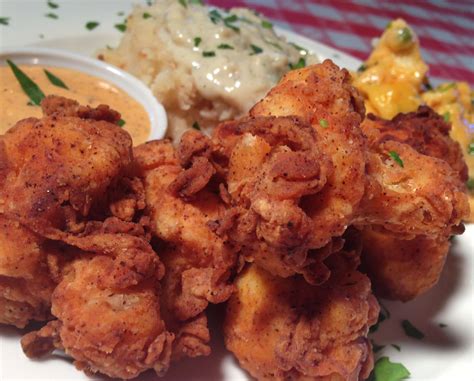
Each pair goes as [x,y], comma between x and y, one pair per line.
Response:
[445,27]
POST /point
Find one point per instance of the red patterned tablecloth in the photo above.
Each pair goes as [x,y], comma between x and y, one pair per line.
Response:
[445,27]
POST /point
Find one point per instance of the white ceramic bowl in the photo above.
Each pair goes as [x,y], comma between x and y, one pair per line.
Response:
[126,82]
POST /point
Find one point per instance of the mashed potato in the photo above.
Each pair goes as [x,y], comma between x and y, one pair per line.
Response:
[204,65]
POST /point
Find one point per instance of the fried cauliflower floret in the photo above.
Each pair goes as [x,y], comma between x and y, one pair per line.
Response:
[107,309]
[25,281]
[199,263]
[287,329]
[54,170]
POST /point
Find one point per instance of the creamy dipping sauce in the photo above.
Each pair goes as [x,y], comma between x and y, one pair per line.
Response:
[84,88]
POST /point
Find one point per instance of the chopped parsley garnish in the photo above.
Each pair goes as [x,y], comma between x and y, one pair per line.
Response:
[52,5]
[447,87]
[52,16]
[299,65]
[225,46]
[470,148]
[55,80]
[231,18]
[396,158]
[397,347]
[29,87]
[274,44]
[121,122]
[255,49]
[427,86]
[195,2]
[121,27]
[405,35]
[470,184]
[267,24]
[196,126]
[215,16]
[197,41]
[384,370]
[92,25]
[303,51]
[146,15]
[228,23]
[209,54]
[447,116]
[362,68]
[411,330]
[183,3]
[4,20]
[323,123]
[442,325]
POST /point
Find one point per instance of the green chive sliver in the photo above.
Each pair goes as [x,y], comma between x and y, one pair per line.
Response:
[299,65]
[146,15]
[224,46]
[447,116]
[92,25]
[55,80]
[267,24]
[196,126]
[208,54]
[4,20]
[197,41]
[255,49]
[121,27]
[52,5]
[411,330]
[470,148]
[396,158]
[323,123]
[121,122]
[51,16]
[29,87]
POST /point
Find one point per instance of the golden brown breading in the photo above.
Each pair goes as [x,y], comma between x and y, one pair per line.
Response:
[107,308]
[287,329]
[406,264]
[53,170]
[25,282]
[198,262]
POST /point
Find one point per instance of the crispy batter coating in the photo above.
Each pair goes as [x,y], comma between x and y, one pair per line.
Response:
[107,308]
[273,164]
[411,189]
[409,263]
[55,169]
[25,282]
[287,329]
[198,262]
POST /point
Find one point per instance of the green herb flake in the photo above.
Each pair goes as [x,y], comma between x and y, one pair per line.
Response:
[52,16]
[302,50]
[299,65]
[52,5]
[384,370]
[4,20]
[389,25]
[323,123]
[55,80]
[209,54]
[470,148]
[121,122]
[442,325]
[411,330]
[267,24]
[196,126]
[146,15]
[470,184]
[362,68]
[428,86]
[274,44]
[231,18]
[29,87]
[396,158]
[121,13]
[215,16]
[384,314]
[397,347]
[231,26]
[92,25]
[197,41]
[447,116]
[121,27]
[255,49]
[447,87]
[225,46]
[183,3]
[195,2]
[405,35]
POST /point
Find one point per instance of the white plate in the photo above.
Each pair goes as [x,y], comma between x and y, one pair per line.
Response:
[445,354]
